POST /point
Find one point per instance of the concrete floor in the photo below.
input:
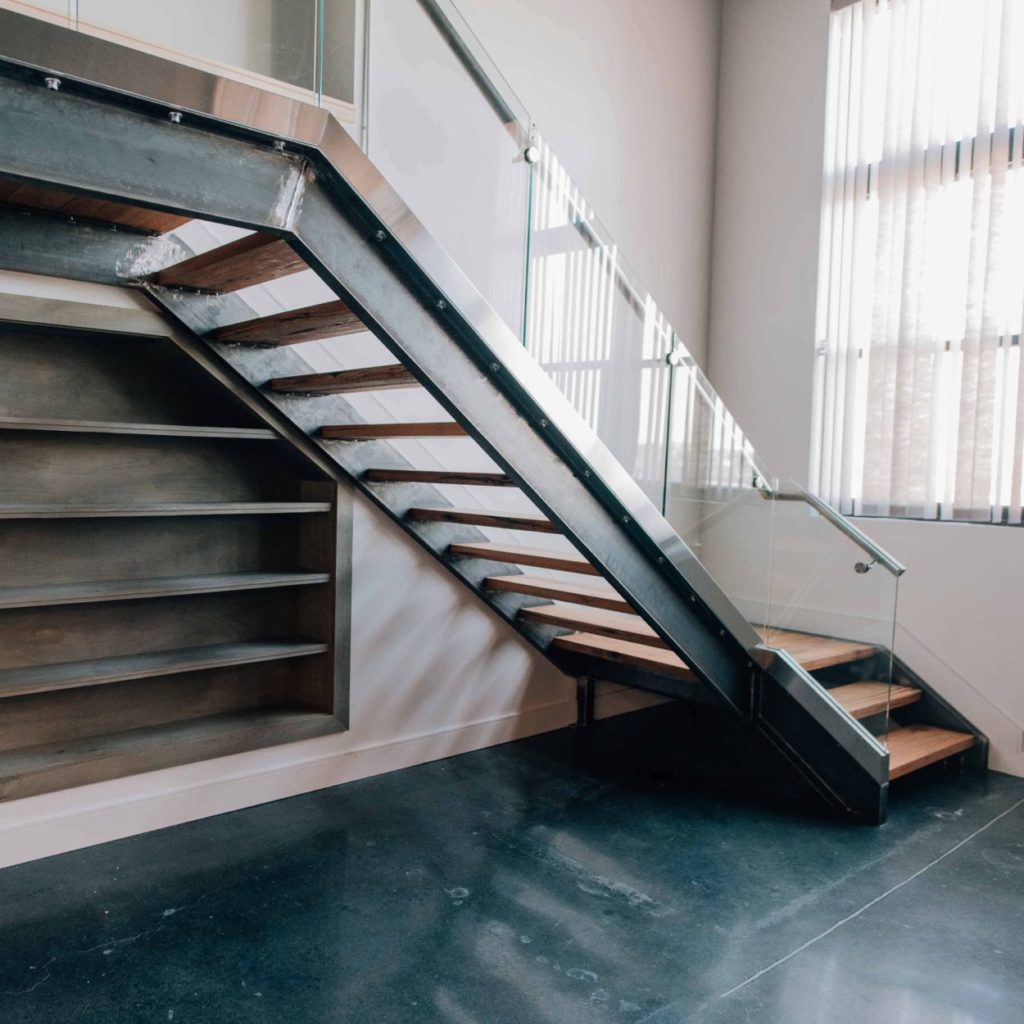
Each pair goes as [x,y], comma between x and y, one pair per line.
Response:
[650,874]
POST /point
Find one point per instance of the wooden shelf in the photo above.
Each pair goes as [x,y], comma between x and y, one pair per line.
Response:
[144,429]
[163,508]
[916,746]
[163,586]
[437,476]
[596,595]
[512,554]
[650,659]
[594,620]
[254,259]
[371,431]
[40,769]
[69,675]
[480,517]
[862,700]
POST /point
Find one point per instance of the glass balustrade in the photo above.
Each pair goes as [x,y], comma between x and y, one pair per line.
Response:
[455,142]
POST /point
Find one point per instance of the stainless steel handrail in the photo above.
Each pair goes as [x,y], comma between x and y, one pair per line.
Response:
[879,555]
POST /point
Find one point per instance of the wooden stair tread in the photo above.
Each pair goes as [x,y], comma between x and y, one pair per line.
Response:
[650,659]
[99,671]
[164,586]
[479,517]
[817,652]
[313,323]
[149,429]
[30,770]
[74,204]
[370,431]
[514,555]
[594,620]
[916,746]
[862,700]
[254,259]
[597,595]
[162,508]
[339,382]
[438,476]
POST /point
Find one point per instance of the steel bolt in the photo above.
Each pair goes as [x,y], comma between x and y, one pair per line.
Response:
[174,116]
[381,236]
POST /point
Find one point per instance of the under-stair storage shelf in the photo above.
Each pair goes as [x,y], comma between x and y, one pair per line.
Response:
[168,588]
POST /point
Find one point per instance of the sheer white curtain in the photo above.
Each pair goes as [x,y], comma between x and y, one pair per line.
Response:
[919,380]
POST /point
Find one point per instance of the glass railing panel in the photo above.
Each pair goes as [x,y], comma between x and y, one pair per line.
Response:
[258,40]
[601,338]
[833,606]
[452,149]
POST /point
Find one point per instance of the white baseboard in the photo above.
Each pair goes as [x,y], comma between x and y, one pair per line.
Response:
[72,819]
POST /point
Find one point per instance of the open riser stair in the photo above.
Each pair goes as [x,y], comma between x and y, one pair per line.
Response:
[158,533]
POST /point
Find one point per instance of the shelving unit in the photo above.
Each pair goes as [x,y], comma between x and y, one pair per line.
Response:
[168,586]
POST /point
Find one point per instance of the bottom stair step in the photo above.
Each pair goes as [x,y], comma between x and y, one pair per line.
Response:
[862,700]
[42,769]
[916,746]
[650,659]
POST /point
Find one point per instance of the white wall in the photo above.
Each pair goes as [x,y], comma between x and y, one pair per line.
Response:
[960,600]
[625,94]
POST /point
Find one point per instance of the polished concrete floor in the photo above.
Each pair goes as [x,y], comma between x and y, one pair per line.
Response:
[660,871]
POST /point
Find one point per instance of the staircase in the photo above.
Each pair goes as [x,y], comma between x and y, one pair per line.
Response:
[577,561]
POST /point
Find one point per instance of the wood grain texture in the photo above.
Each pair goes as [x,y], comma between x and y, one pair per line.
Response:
[57,426]
[529,521]
[916,746]
[438,476]
[816,652]
[862,700]
[72,204]
[166,508]
[596,595]
[252,260]
[45,768]
[100,671]
[370,431]
[340,382]
[593,620]
[512,554]
[86,592]
[314,323]
[640,656]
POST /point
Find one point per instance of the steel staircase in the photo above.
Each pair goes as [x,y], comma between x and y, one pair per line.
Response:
[618,596]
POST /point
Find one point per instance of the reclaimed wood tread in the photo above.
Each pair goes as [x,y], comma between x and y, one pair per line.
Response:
[817,652]
[512,554]
[74,204]
[594,620]
[597,595]
[371,431]
[70,675]
[254,259]
[916,746]
[340,382]
[478,517]
[146,429]
[862,700]
[438,476]
[293,326]
[164,586]
[650,659]
[163,508]
[38,769]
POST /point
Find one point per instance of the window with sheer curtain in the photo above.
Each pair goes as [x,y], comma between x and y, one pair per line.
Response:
[919,382]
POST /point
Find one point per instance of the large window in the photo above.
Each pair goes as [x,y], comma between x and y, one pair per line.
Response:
[919,378]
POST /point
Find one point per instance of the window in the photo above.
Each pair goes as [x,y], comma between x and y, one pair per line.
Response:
[919,382]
